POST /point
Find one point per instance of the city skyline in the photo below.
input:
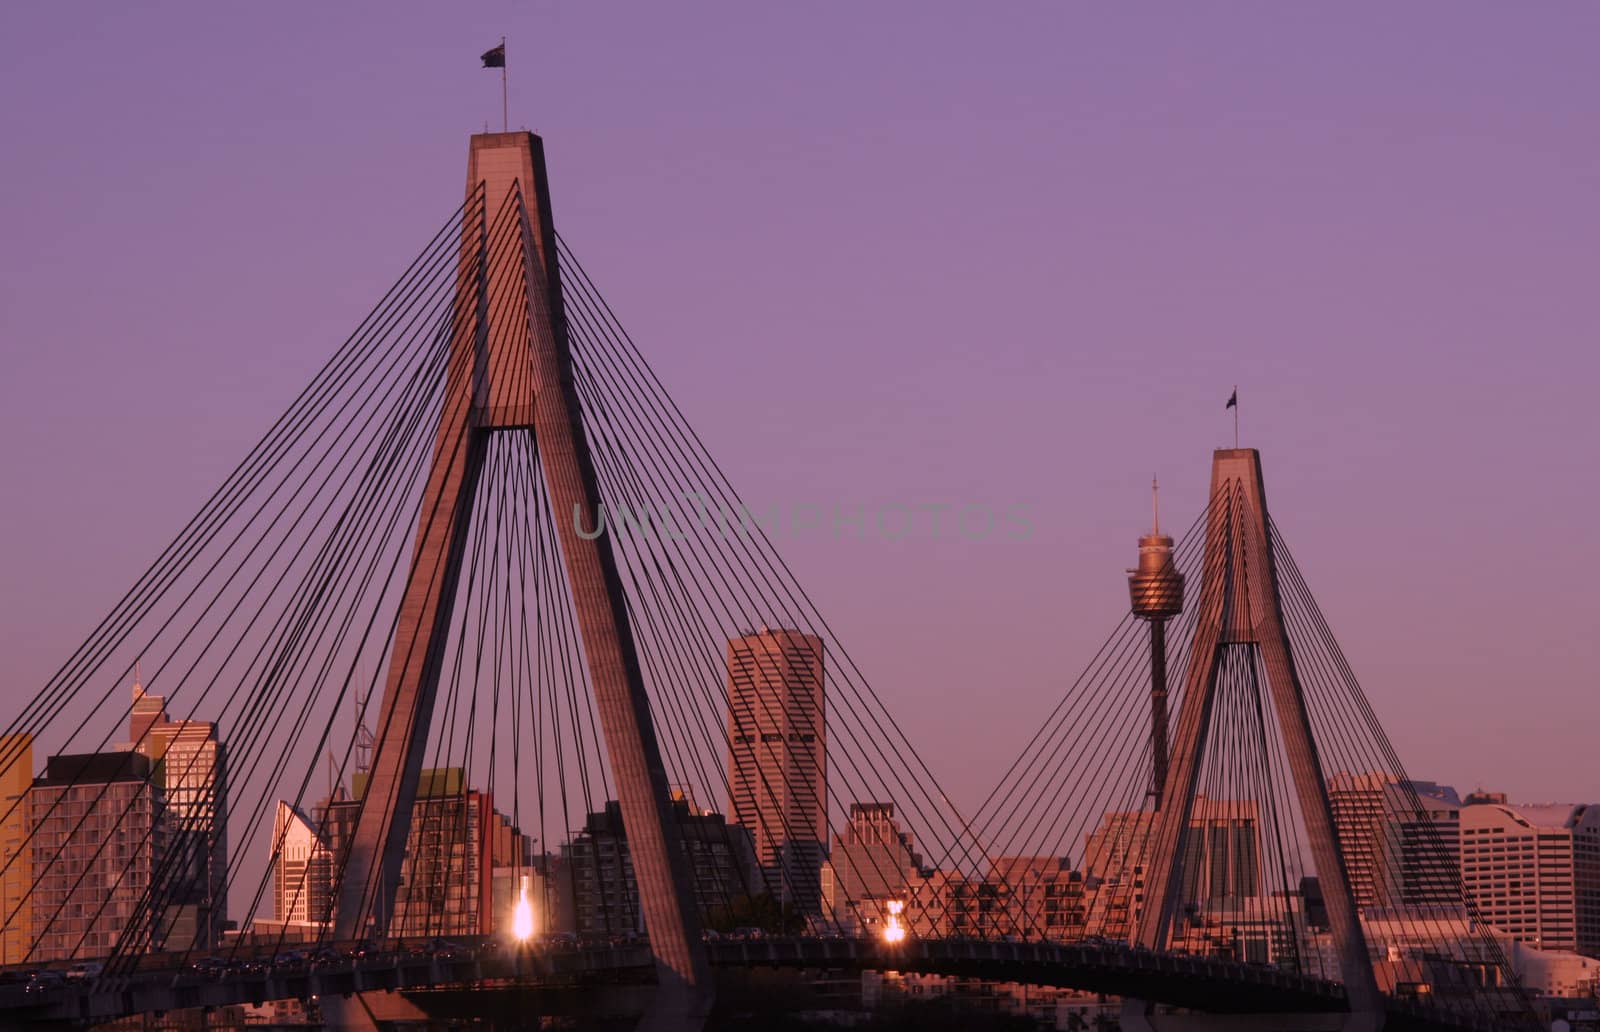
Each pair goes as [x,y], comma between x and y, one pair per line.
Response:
[1389,831]
[1358,490]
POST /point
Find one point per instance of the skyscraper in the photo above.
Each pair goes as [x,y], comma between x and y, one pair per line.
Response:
[777,758]
[1424,844]
[1398,838]
[191,767]
[1360,824]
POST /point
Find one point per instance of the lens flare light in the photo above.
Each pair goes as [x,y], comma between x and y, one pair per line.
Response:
[894,931]
[522,915]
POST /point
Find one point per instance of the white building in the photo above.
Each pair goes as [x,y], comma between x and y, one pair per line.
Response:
[1533,871]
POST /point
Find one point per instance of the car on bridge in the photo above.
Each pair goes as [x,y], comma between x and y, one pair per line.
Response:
[327,956]
[444,949]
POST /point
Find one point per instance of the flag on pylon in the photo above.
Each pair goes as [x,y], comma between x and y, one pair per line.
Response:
[1233,400]
[495,58]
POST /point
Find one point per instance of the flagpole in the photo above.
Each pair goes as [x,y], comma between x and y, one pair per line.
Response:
[505,106]
[1235,417]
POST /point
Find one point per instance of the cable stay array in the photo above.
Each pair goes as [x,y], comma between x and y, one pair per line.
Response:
[207,762]
[1086,790]
[269,623]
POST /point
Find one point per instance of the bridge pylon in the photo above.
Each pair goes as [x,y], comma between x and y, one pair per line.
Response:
[1240,607]
[510,371]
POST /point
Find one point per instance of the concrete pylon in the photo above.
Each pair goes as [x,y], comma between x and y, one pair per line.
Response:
[510,371]
[1240,605]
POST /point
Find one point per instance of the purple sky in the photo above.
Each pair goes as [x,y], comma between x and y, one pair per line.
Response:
[886,254]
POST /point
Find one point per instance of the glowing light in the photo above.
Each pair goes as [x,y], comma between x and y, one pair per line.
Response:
[894,931]
[522,915]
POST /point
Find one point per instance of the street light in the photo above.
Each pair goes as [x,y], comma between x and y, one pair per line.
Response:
[894,932]
[522,915]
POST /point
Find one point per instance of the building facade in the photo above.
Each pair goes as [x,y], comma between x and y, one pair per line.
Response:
[1220,856]
[873,860]
[190,763]
[777,758]
[16,857]
[1423,845]
[302,870]
[457,845]
[1222,851]
[1533,872]
[98,828]
[1399,839]
[596,870]
[1039,897]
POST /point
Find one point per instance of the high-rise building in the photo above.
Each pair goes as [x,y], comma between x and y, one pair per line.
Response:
[872,861]
[1533,872]
[458,846]
[1221,858]
[98,830]
[1222,851]
[16,862]
[191,767]
[1424,845]
[777,758]
[597,869]
[1360,823]
[1398,838]
[302,874]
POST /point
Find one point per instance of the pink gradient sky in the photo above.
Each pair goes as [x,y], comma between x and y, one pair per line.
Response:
[887,253]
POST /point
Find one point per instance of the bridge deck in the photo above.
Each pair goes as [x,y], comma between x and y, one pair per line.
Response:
[1176,980]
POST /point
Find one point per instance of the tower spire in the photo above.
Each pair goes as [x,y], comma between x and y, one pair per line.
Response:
[1155,589]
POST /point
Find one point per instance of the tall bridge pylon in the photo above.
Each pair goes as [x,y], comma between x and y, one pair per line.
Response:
[510,371]
[1240,608]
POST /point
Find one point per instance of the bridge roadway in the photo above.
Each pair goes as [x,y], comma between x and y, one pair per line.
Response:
[1198,983]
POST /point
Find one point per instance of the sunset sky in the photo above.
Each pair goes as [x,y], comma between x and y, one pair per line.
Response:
[887,254]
